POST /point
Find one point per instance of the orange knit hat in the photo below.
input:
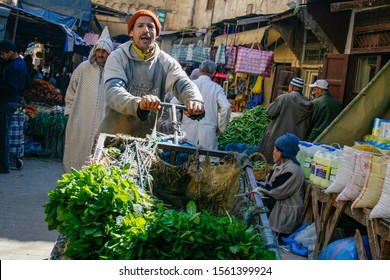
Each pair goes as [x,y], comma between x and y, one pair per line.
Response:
[144,13]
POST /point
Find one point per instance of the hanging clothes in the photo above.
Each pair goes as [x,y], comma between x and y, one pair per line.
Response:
[220,57]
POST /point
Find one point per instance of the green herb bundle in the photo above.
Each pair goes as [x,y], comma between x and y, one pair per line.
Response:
[90,205]
[52,125]
[103,215]
[187,235]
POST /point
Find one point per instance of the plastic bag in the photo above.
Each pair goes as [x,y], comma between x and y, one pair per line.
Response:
[240,148]
[307,238]
[302,241]
[344,249]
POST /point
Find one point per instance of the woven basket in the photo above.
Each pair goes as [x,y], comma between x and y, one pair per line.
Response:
[260,174]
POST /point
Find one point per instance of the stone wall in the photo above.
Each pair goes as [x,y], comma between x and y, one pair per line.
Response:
[185,13]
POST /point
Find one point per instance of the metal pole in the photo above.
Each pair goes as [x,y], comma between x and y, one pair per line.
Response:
[174,121]
[16,26]
[268,234]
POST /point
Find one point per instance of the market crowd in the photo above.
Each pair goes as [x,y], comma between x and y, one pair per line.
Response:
[120,91]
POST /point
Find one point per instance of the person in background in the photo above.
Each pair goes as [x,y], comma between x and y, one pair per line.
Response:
[39,73]
[289,113]
[46,77]
[13,81]
[85,103]
[165,122]
[30,66]
[194,74]
[284,186]
[205,132]
[63,81]
[326,109]
[53,79]
[138,75]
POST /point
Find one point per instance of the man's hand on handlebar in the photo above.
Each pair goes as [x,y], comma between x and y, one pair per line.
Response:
[150,102]
[194,110]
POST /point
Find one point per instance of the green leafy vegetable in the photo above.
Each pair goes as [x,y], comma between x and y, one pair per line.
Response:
[103,215]
[247,128]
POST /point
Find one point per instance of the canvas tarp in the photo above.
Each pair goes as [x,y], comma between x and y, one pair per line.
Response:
[69,13]
[248,37]
[80,9]
[356,120]
[30,25]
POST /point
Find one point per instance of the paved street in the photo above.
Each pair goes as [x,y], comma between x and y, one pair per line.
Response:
[23,231]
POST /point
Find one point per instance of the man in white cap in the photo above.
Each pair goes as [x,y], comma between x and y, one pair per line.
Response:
[85,103]
[326,109]
[290,113]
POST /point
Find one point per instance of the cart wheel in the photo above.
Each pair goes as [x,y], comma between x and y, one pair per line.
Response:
[19,164]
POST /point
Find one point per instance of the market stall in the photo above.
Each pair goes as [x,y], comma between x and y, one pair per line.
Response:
[326,212]
[348,175]
[46,122]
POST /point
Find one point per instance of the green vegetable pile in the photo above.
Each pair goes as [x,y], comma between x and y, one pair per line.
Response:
[103,215]
[52,125]
[247,128]
[91,205]
[259,165]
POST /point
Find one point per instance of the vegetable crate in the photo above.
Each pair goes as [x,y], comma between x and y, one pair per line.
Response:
[17,138]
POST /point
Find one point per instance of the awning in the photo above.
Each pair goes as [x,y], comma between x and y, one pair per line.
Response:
[248,37]
[188,40]
[69,13]
[169,32]
[72,39]
[30,26]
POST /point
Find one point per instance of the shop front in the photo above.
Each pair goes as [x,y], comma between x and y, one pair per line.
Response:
[245,84]
[52,46]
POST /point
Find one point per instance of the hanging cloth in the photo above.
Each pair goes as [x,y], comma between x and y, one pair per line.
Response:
[179,52]
[230,58]
[221,53]
[257,85]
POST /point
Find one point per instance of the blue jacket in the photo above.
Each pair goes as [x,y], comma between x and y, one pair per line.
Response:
[13,81]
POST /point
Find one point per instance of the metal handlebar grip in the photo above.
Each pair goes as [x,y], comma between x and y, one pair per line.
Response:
[182,107]
[170,105]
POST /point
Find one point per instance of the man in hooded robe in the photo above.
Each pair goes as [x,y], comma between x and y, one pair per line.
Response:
[85,103]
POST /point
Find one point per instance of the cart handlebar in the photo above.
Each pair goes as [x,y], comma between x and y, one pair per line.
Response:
[170,105]
[182,107]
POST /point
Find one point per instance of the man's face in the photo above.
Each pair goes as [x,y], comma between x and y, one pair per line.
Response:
[7,56]
[144,33]
[276,155]
[101,56]
[316,91]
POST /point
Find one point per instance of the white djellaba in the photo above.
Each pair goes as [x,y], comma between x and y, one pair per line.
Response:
[85,106]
